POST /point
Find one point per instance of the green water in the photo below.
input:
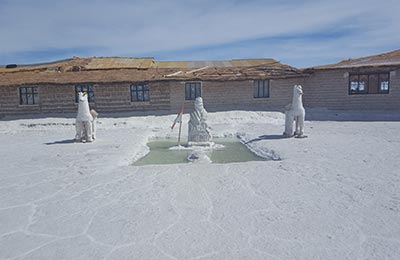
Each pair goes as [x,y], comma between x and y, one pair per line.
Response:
[234,151]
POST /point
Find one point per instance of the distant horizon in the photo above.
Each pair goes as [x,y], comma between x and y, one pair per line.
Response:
[300,33]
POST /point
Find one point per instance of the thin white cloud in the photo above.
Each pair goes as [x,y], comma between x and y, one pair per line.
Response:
[112,28]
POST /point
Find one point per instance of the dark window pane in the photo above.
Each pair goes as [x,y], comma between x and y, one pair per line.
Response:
[134,96]
[23,100]
[255,90]
[384,82]
[21,96]
[354,86]
[373,84]
[384,86]
[77,90]
[91,97]
[198,90]
[133,93]
[140,95]
[146,96]
[257,87]
[192,91]
[36,98]
[187,92]
[363,83]
[29,98]
[265,94]
[354,83]
[23,90]
[262,83]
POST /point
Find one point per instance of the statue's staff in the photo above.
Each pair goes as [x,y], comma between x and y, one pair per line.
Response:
[179,119]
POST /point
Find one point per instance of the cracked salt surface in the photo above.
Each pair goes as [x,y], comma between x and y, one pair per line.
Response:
[333,196]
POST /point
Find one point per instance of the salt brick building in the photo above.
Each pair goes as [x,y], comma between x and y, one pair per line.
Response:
[127,85]
[368,83]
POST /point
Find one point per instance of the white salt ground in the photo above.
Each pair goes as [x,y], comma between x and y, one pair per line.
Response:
[334,195]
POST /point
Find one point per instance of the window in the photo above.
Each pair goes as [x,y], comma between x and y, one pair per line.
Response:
[369,83]
[140,92]
[28,96]
[261,88]
[88,88]
[383,85]
[192,90]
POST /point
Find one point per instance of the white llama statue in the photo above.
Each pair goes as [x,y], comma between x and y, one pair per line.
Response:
[85,120]
[295,112]
[198,128]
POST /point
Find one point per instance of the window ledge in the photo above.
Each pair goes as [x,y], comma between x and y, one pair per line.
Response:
[140,103]
[368,94]
[33,105]
[90,103]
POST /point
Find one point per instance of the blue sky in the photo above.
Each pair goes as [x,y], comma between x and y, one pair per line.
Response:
[301,33]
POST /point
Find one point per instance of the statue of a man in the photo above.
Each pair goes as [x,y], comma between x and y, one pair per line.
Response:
[198,129]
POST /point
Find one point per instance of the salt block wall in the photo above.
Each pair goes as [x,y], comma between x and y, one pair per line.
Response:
[60,98]
[236,95]
[56,98]
[330,89]
[9,100]
[116,97]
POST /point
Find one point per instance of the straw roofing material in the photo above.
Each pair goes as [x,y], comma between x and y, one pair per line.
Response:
[216,64]
[385,59]
[98,70]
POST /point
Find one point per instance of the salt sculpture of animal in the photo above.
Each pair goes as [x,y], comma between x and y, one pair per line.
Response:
[198,129]
[295,112]
[85,120]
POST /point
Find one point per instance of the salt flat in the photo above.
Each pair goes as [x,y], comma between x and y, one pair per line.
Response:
[333,195]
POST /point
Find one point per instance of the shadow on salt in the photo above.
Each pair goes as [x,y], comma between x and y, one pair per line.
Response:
[221,150]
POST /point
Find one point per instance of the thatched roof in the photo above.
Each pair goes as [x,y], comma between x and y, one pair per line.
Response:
[385,59]
[102,70]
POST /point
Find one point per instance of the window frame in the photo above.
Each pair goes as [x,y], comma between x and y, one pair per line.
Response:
[198,90]
[380,91]
[265,85]
[34,92]
[89,91]
[368,87]
[134,91]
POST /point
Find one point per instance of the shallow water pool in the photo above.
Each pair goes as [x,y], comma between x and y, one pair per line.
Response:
[228,150]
